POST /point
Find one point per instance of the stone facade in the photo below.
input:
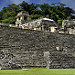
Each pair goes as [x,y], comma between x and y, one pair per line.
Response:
[21,48]
[22,18]
[31,44]
[68,26]
[42,24]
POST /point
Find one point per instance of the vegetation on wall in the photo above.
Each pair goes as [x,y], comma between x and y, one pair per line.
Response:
[56,11]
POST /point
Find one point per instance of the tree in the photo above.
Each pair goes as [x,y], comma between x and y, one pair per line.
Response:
[1,15]
[57,12]
[58,4]
[36,16]
[9,13]
[10,20]
[59,23]
[44,7]
[24,6]
[36,11]
[32,7]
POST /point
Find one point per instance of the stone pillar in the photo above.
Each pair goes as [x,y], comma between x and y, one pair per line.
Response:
[47,59]
[42,27]
[22,17]
[27,18]
[17,19]
[52,29]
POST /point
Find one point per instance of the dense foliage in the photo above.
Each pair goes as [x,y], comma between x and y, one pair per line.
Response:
[56,11]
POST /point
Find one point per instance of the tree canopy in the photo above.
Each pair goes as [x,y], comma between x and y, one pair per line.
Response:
[56,11]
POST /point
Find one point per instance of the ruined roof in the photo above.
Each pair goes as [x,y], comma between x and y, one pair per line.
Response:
[47,19]
[49,22]
[24,13]
[43,21]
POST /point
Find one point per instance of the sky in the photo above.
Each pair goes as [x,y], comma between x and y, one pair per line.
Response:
[5,3]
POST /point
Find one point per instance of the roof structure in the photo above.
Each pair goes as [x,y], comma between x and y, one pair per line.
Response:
[43,21]
[47,19]
[49,22]
[24,13]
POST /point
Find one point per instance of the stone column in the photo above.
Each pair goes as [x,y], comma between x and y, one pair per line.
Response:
[42,27]
[28,18]
[47,59]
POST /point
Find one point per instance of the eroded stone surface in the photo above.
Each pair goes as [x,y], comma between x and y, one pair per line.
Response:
[28,48]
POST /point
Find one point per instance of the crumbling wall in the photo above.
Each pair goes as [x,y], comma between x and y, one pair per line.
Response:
[28,48]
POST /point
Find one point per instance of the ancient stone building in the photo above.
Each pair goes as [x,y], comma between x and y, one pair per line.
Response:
[22,18]
[42,24]
[49,25]
[29,45]
[68,26]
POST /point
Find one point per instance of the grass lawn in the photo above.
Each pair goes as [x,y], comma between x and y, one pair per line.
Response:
[39,71]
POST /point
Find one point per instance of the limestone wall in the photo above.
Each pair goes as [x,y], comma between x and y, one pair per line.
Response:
[32,24]
[68,23]
[27,48]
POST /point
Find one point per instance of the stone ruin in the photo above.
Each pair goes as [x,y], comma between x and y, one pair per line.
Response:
[27,45]
[44,24]
[25,48]
[22,18]
[68,27]
[41,24]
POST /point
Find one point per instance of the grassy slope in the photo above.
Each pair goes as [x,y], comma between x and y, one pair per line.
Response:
[39,72]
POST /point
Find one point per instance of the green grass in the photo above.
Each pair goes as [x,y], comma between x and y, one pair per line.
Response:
[39,71]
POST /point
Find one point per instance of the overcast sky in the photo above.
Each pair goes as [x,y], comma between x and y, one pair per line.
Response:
[70,3]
